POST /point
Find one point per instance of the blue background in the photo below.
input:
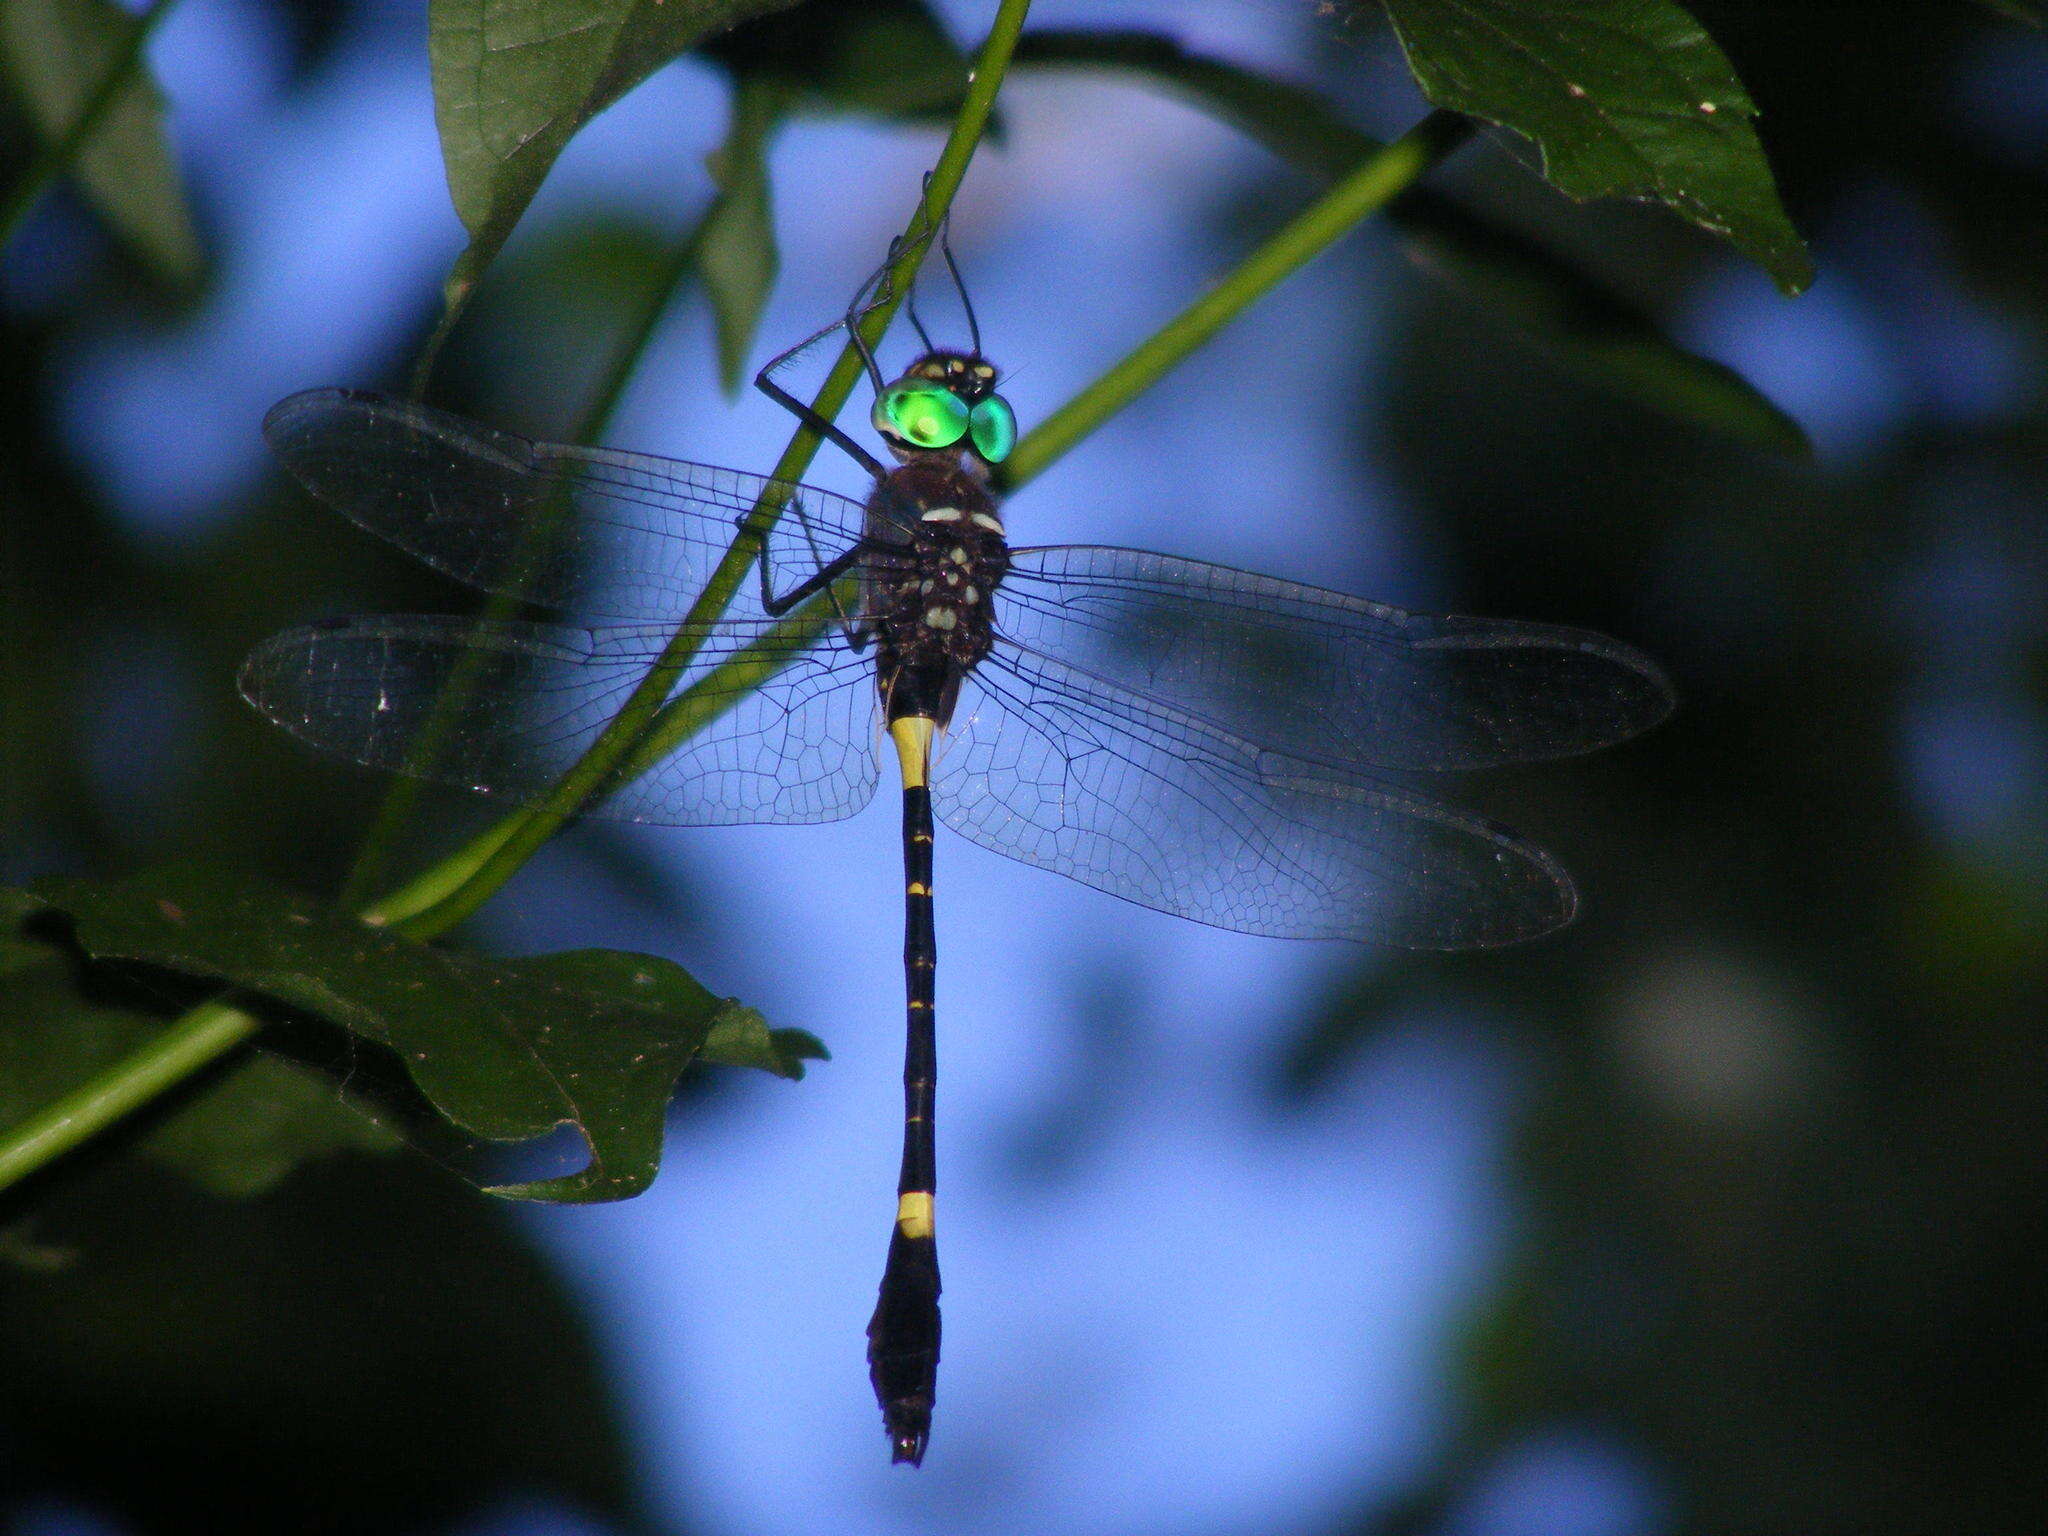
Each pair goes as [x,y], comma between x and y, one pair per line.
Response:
[1182,1294]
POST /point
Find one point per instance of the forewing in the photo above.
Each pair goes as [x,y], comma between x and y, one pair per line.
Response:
[587,531]
[1052,766]
[1325,676]
[787,731]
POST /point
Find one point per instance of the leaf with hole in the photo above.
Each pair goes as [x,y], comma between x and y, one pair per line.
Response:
[508,1050]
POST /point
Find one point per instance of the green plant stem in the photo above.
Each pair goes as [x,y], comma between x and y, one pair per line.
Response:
[395,812]
[442,896]
[512,842]
[645,720]
[59,152]
[1381,177]
[202,1036]
[649,727]
[991,66]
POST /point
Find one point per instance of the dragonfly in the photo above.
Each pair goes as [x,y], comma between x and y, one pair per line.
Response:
[1228,747]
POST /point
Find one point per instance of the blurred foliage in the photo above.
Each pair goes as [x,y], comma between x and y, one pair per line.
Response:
[508,1050]
[736,242]
[888,58]
[59,56]
[1785,1161]
[1781,1165]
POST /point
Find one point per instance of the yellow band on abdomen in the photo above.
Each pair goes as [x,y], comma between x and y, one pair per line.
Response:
[914,1214]
[913,737]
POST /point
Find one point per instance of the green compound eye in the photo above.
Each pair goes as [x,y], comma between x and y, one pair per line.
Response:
[994,426]
[922,415]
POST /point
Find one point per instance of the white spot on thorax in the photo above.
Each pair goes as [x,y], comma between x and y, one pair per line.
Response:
[943,515]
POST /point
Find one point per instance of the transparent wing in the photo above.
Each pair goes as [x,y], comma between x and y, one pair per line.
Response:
[1050,765]
[1325,676]
[587,531]
[800,749]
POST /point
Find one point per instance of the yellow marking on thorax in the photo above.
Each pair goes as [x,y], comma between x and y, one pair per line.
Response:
[914,1214]
[913,737]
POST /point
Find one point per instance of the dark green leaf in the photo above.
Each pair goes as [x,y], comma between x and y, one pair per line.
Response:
[258,1123]
[515,79]
[883,56]
[1622,98]
[1579,320]
[509,1050]
[736,247]
[23,1249]
[56,54]
[255,1122]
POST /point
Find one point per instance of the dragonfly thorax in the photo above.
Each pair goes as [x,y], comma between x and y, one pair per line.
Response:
[940,554]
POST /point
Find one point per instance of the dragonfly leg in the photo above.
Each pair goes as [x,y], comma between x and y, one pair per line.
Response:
[870,295]
[810,418]
[777,606]
[876,284]
[959,287]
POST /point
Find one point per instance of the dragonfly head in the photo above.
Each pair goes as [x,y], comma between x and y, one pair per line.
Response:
[946,404]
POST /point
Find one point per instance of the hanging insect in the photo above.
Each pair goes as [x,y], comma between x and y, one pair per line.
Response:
[1196,739]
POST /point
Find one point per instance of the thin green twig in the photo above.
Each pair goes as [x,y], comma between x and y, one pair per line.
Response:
[203,1035]
[1382,176]
[451,890]
[512,842]
[395,813]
